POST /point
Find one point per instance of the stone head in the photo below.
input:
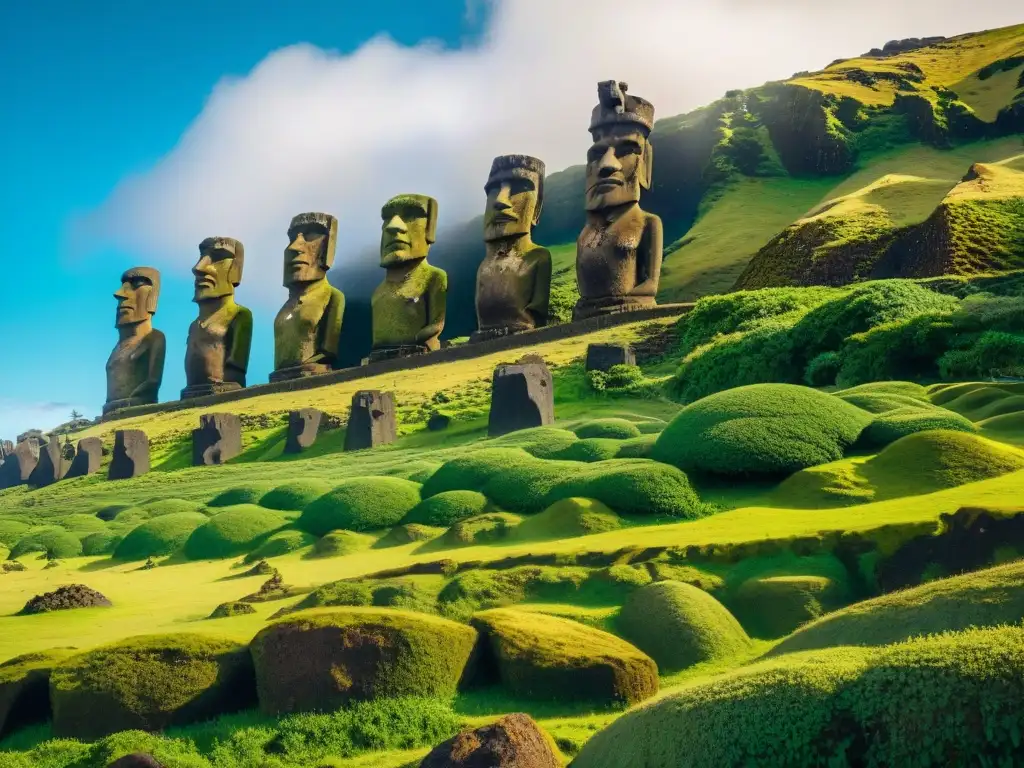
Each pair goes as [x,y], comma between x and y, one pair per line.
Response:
[138,295]
[515,195]
[621,158]
[219,269]
[312,238]
[409,227]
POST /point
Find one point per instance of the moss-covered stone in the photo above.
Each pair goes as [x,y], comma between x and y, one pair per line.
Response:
[25,688]
[776,605]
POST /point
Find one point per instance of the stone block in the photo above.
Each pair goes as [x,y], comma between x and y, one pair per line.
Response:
[218,439]
[601,357]
[131,455]
[19,465]
[303,426]
[51,467]
[372,420]
[522,396]
[88,457]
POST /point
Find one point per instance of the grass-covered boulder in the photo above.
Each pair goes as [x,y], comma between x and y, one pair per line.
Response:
[888,427]
[546,657]
[482,529]
[25,688]
[340,543]
[149,683]
[228,610]
[361,504]
[11,531]
[54,542]
[326,658]
[447,508]
[281,543]
[409,533]
[945,700]
[619,429]
[66,598]
[251,493]
[160,536]
[101,543]
[679,625]
[295,496]
[158,507]
[760,430]
[566,519]
[231,532]
[540,442]
[632,487]
[82,525]
[773,606]
[591,449]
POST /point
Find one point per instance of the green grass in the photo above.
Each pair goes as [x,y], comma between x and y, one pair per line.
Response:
[619,429]
[25,689]
[50,541]
[567,518]
[340,543]
[774,606]
[160,536]
[294,496]
[279,544]
[447,508]
[361,504]
[234,531]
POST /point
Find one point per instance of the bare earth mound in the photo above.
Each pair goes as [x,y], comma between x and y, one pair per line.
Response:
[514,741]
[66,598]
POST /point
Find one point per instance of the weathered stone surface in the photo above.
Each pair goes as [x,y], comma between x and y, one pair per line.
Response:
[131,455]
[19,465]
[601,357]
[135,368]
[65,598]
[513,282]
[619,251]
[372,420]
[522,396]
[308,326]
[136,760]
[51,467]
[408,308]
[6,449]
[217,352]
[514,741]
[303,426]
[218,439]
[88,457]
[32,434]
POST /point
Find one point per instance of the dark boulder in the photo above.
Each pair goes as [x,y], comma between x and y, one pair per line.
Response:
[218,439]
[19,465]
[372,420]
[131,455]
[303,426]
[65,598]
[601,357]
[51,467]
[514,741]
[88,457]
[522,396]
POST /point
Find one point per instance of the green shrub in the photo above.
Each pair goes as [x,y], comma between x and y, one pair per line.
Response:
[24,688]
[340,543]
[889,427]
[550,658]
[618,429]
[82,525]
[679,625]
[149,683]
[280,543]
[591,449]
[900,705]
[295,496]
[992,352]
[129,517]
[901,350]
[407,533]
[567,518]
[633,487]
[361,504]
[774,606]
[158,507]
[902,389]
[823,369]
[446,508]
[620,379]
[101,543]
[882,403]
[233,532]
[760,430]
[242,494]
[11,531]
[479,588]
[324,659]
[54,542]
[159,536]
[335,594]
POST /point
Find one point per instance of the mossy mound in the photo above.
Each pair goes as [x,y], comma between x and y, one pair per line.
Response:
[11,531]
[296,496]
[482,529]
[340,543]
[159,536]
[883,403]
[101,543]
[159,507]
[129,517]
[361,504]
[540,442]
[149,683]
[679,625]
[637,447]
[54,542]
[227,610]
[335,594]
[619,429]
[12,566]
[632,487]
[545,657]
[280,543]
[232,532]
[898,389]
[447,508]
[760,430]
[652,427]
[25,688]
[976,400]
[933,701]
[480,588]
[66,598]
[981,599]
[82,525]
[889,427]
[324,659]
[409,533]
[568,518]
[776,605]
[242,494]
[1001,407]
[110,511]
[591,449]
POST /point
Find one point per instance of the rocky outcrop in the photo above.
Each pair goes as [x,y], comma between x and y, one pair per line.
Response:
[522,396]
[65,599]
[303,427]
[514,741]
[88,457]
[218,439]
[131,455]
[372,420]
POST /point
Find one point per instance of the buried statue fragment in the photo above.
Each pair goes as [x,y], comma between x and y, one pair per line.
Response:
[619,251]
[217,352]
[308,326]
[136,366]
[408,308]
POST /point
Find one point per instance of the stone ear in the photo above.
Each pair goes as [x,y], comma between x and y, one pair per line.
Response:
[431,219]
[645,180]
[327,255]
[152,299]
[237,265]
[540,200]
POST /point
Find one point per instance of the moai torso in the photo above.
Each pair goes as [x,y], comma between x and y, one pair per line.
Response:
[305,324]
[218,347]
[507,295]
[129,367]
[606,255]
[402,309]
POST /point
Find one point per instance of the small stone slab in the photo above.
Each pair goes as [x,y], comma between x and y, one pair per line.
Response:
[88,457]
[19,465]
[601,357]
[131,455]
[371,421]
[218,439]
[51,467]
[303,426]
[522,396]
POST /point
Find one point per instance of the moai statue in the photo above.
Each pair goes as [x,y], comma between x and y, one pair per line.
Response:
[217,440]
[131,455]
[601,357]
[371,421]
[88,457]
[136,366]
[307,329]
[20,463]
[618,253]
[303,427]
[217,352]
[52,465]
[408,308]
[513,282]
[522,396]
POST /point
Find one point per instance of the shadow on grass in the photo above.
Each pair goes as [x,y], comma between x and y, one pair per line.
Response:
[494,700]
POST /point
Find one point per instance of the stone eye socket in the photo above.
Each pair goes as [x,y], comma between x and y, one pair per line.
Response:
[518,186]
[627,148]
[595,153]
[138,282]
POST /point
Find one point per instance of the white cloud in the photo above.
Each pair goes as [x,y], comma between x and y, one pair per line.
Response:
[311,130]
[17,417]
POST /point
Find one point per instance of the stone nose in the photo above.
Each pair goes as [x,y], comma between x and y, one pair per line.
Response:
[123,291]
[503,200]
[395,225]
[609,163]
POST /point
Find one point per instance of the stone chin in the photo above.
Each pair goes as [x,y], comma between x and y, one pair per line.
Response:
[208,293]
[628,193]
[505,229]
[304,273]
[403,256]
[128,316]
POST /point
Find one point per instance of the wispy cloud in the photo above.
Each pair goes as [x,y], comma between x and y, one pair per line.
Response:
[311,130]
[17,417]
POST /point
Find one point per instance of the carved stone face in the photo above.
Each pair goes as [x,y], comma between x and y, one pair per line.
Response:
[137,297]
[513,204]
[310,251]
[409,223]
[618,166]
[219,268]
